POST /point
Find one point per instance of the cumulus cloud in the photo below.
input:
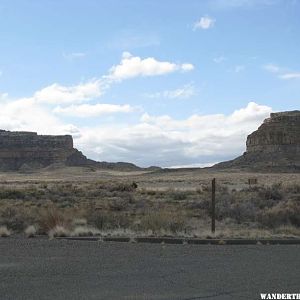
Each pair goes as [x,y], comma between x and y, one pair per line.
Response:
[251,113]
[184,92]
[163,140]
[57,93]
[129,67]
[26,114]
[204,23]
[92,110]
[152,140]
[133,66]
[294,75]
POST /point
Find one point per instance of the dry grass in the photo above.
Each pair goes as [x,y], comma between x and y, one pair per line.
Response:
[120,232]
[52,218]
[287,231]
[30,231]
[85,231]
[58,231]
[163,223]
[79,222]
[4,231]
[141,203]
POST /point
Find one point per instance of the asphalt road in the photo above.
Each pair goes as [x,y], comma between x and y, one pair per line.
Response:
[59,269]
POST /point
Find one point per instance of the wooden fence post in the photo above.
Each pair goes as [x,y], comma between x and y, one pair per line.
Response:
[213,205]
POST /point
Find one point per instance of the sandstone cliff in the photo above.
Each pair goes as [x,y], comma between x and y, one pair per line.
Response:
[275,145]
[20,150]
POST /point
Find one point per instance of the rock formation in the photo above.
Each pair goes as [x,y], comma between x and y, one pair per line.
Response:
[274,145]
[20,150]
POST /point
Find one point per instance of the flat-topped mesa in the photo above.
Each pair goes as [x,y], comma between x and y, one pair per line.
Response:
[274,145]
[21,148]
[280,132]
[12,139]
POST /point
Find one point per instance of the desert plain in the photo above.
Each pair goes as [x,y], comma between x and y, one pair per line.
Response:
[83,201]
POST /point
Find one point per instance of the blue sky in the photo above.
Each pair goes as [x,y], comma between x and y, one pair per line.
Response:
[167,83]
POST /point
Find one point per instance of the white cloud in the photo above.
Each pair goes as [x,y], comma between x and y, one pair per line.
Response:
[134,66]
[26,114]
[204,23]
[272,68]
[129,67]
[56,93]
[92,110]
[234,4]
[186,67]
[199,165]
[239,68]
[252,112]
[163,140]
[3,96]
[160,140]
[128,39]
[74,55]
[282,73]
[184,92]
[294,75]
[219,59]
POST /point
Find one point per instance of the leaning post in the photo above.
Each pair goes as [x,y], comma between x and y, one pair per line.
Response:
[213,205]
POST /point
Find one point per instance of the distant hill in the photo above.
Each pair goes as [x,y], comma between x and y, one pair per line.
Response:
[274,146]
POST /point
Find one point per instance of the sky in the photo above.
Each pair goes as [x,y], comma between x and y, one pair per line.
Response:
[166,83]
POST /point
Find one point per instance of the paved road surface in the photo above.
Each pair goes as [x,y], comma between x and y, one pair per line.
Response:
[59,269]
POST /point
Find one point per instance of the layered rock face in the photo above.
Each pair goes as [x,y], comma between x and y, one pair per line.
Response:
[274,145]
[280,132]
[21,150]
[29,150]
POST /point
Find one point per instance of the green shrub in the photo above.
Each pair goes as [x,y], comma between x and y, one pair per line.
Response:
[12,194]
